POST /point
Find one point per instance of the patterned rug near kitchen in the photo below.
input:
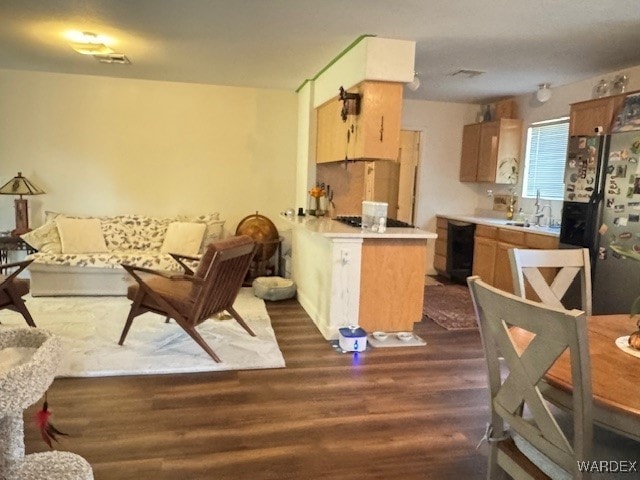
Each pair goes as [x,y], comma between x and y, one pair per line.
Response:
[449,306]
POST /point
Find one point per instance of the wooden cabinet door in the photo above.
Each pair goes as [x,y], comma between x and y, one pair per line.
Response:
[508,151]
[331,138]
[502,274]
[584,117]
[470,152]
[440,258]
[499,151]
[377,127]
[488,152]
[484,258]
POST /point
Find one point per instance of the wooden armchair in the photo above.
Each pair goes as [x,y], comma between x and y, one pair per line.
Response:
[12,289]
[193,297]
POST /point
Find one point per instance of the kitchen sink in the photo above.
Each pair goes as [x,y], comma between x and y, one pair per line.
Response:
[532,227]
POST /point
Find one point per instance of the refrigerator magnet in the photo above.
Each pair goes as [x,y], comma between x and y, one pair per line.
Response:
[621,171]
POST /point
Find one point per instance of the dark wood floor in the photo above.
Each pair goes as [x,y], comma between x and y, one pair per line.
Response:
[405,413]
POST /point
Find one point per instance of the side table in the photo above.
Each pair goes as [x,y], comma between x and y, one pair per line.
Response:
[10,243]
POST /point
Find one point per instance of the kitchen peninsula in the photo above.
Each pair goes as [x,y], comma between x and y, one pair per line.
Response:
[350,276]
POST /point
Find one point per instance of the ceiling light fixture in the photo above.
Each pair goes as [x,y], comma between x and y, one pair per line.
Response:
[414,84]
[544,92]
[88,43]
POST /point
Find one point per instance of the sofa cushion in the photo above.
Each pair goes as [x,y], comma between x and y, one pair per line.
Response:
[183,238]
[45,238]
[154,260]
[81,235]
[215,227]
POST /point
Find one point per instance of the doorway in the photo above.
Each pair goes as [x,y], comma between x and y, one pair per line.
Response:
[408,158]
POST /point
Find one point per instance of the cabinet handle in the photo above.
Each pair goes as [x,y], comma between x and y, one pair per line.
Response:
[382,128]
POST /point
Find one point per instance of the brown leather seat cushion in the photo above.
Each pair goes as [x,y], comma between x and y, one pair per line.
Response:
[20,285]
[176,292]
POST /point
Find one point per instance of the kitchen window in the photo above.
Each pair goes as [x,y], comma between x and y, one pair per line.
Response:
[545,159]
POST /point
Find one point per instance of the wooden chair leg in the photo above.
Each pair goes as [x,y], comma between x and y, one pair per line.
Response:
[240,320]
[193,333]
[127,325]
[133,313]
[20,307]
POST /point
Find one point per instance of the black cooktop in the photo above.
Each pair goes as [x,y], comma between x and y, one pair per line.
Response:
[356,221]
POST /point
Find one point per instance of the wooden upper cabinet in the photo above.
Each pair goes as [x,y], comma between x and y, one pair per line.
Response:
[470,152]
[377,133]
[585,117]
[488,152]
[374,134]
[498,151]
[332,133]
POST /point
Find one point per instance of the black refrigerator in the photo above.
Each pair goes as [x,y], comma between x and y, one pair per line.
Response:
[601,211]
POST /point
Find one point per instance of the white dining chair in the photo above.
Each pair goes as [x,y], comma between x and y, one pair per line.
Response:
[535,446]
[526,265]
[542,441]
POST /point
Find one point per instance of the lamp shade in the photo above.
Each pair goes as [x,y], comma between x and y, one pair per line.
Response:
[20,185]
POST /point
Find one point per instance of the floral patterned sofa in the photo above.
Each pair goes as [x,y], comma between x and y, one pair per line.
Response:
[95,270]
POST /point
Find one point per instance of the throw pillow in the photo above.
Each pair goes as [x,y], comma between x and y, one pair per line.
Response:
[45,239]
[183,238]
[214,229]
[81,235]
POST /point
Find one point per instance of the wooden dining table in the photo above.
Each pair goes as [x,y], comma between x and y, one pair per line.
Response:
[615,375]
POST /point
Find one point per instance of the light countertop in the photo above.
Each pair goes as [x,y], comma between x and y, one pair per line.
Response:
[503,223]
[330,228]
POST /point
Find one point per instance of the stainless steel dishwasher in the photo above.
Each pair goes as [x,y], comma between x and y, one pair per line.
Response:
[460,250]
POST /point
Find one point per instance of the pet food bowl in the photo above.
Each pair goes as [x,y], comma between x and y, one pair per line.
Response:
[382,336]
[404,336]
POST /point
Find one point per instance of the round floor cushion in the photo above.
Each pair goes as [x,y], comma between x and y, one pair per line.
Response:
[273,288]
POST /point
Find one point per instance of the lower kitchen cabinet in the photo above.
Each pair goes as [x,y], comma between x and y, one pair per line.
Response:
[440,257]
[491,254]
[484,258]
[502,276]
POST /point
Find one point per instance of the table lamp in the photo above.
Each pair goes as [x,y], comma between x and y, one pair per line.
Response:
[20,185]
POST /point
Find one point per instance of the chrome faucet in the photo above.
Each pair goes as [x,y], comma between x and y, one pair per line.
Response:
[539,213]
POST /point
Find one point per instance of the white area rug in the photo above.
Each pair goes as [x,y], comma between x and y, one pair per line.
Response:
[90,328]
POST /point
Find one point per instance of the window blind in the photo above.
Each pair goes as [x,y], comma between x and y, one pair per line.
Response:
[545,159]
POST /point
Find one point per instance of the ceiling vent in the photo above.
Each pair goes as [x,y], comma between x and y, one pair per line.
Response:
[119,58]
[463,72]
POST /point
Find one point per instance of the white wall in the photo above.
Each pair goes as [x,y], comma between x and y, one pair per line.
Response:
[438,189]
[101,145]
